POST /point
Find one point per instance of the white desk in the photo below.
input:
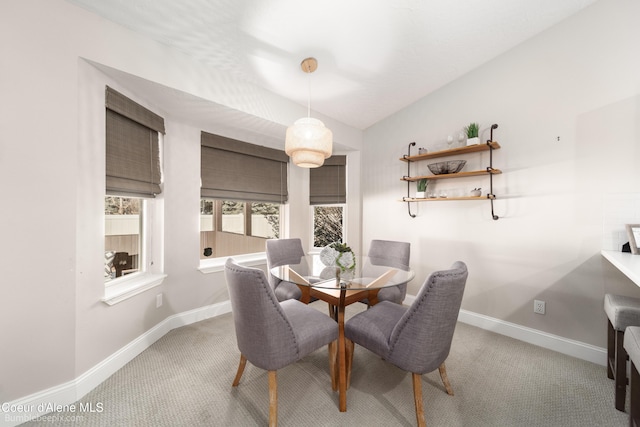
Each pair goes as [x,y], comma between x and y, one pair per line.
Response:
[626,262]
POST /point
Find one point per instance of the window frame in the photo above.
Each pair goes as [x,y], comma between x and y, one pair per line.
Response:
[151,260]
[141,248]
[248,227]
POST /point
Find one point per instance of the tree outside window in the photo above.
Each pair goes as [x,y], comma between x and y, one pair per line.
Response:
[328,225]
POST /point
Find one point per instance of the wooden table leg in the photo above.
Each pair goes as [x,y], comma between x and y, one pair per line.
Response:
[342,356]
[372,297]
[306,293]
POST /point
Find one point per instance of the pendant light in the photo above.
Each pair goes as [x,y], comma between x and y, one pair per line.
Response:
[308,142]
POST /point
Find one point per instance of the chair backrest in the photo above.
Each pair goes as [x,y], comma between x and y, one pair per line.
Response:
[263,331]
[392,254]
[421,340]
[389,252]
[282,252]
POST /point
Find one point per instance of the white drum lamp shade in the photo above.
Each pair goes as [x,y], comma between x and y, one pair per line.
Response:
[308,142]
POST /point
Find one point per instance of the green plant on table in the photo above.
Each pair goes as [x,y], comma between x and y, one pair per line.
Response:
[346,259]
[472,130]
[341,247]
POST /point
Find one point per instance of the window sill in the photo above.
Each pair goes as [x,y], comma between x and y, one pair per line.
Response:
[130,287]
[216,265]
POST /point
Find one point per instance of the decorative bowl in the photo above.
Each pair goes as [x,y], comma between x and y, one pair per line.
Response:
[451,166]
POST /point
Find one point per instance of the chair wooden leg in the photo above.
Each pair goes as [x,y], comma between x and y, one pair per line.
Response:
[243,362]
[333,312]
[445,379]
[349,346]
[620,371]
[417,398]
[611,349]
[273,399]
[333,360]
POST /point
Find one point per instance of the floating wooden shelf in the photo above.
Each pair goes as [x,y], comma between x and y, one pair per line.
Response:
[489,146]
[452,175]
[451,199]
[452,152]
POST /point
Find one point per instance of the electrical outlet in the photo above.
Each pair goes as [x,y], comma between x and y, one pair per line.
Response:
[158,300]
[539,307]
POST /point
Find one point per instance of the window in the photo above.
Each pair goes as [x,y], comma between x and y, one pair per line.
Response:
[242,227]
[243,189]
[232,217]
[123,229]
[265,220]
[133,180]
[328,225]
[327,195]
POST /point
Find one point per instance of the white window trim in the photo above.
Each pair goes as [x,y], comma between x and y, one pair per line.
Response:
[216,265]
[131,285]
[152,260]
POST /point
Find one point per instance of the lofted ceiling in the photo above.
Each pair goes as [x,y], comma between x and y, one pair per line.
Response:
[375,56]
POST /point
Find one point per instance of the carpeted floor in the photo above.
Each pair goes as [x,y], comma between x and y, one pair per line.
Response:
[184,379]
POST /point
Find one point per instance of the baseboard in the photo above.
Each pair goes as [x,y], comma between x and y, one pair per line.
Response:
[542,339]
[46,401]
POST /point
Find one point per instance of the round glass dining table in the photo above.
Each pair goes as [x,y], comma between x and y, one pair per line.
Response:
[341,282]
[355,273]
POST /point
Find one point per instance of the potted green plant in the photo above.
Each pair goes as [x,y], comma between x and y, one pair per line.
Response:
[472,133]
[421,188]
[345,258]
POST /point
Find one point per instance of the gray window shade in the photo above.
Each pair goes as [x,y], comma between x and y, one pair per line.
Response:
[328,183]
[236,170]
[122,105]
[132,148]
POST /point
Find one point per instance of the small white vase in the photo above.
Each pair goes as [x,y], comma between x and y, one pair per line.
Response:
[419,194]
[473,141]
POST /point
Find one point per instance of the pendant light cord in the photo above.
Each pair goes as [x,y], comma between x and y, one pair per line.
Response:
[309,92]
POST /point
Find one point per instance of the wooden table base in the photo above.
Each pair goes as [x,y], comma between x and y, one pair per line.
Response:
[338,299]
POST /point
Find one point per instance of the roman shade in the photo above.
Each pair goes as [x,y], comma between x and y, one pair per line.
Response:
[236,170]
[328,183]
[132,147]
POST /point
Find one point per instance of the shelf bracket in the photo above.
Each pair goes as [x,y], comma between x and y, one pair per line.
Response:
[411,144]
[491,196]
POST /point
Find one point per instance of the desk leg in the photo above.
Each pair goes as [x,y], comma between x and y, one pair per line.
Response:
[342,356]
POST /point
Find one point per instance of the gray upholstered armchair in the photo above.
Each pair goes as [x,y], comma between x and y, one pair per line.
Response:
[392,254]
[272,335]
[416,339]
[283,252]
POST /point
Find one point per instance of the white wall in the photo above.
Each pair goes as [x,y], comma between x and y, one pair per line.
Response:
[53,324]
[579,81]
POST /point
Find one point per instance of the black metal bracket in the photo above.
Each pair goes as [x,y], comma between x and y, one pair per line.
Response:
[411,144]
[491,196]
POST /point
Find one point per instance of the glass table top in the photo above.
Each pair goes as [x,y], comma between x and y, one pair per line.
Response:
[357,272]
